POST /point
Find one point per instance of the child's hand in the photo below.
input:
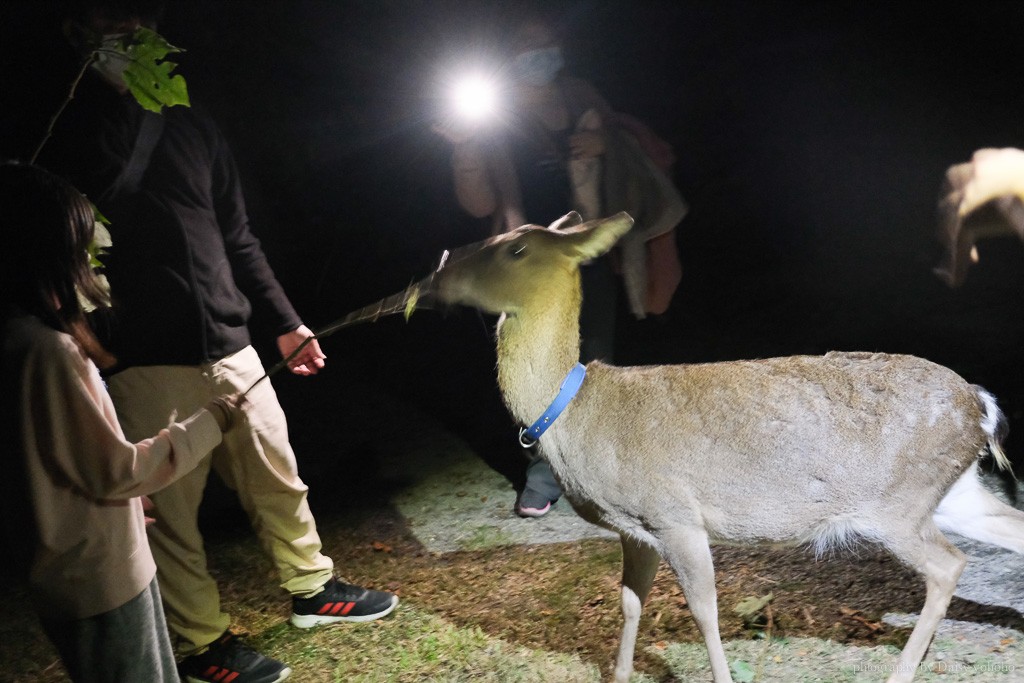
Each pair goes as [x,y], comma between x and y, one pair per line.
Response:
[147,505]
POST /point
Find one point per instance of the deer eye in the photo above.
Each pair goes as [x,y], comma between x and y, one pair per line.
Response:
[517,250]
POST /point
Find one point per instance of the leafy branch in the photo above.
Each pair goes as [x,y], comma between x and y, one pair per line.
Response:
[416,295]
[147,74]
[60,110]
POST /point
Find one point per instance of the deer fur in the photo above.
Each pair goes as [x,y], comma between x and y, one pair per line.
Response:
[825,451]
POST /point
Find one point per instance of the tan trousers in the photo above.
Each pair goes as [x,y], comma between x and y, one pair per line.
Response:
[255,459]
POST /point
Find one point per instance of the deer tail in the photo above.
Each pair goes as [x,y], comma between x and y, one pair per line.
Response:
[995,426]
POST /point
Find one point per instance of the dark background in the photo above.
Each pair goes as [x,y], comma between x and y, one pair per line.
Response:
[811,140]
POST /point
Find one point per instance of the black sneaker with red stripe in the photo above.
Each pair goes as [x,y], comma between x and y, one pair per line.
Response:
[339,602]
[229,660]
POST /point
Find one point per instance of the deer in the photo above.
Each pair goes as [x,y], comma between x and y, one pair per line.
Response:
[826,451]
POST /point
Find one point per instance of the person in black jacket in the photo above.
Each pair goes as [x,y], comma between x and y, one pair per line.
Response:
[186,272]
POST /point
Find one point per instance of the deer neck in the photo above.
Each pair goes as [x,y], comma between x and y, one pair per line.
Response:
[536,349]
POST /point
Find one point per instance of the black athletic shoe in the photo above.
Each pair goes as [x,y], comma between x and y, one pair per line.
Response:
[529,503]
[339,602]
[228,660]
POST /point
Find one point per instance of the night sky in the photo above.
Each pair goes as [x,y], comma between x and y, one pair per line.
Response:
[811,140]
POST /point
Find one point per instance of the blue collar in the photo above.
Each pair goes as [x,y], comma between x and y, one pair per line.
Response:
[528,436]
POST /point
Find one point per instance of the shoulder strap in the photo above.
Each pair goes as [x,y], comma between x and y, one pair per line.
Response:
[150,130]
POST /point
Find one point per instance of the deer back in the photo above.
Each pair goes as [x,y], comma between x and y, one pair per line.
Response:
[783,449]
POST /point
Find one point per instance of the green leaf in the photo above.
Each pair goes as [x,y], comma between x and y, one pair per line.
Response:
[742,672]
[148,75]
[98,216]
[750,608]
[100,238]
[410,303]
[98,247]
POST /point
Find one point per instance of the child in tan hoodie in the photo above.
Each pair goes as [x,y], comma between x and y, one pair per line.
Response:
[72,485]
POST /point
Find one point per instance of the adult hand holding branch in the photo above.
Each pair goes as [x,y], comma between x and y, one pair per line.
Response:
[310,358]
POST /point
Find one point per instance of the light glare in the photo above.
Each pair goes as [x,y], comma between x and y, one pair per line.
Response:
[475,98]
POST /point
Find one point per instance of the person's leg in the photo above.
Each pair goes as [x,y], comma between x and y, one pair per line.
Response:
[540,492]
[256,459]
[128,643]
[259,463]
[146,398]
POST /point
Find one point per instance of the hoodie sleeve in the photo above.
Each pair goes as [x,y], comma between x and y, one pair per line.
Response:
[71,420]
[252,271]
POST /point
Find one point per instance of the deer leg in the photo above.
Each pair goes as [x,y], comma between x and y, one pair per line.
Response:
[688,553]
[940,563]
[639,565]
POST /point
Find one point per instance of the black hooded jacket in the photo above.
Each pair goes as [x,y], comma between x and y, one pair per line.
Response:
[185,269]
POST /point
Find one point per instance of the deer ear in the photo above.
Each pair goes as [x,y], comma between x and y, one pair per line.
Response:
[595,238]
[568,220]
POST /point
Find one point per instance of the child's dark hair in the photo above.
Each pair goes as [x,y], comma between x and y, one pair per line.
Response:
[46,227]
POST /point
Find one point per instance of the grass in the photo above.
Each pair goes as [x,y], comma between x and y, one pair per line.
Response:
[486,536]
[415,646]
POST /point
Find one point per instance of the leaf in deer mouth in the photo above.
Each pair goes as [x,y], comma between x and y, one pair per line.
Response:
[410,302]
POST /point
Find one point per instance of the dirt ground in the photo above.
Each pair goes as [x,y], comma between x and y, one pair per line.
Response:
[564,597]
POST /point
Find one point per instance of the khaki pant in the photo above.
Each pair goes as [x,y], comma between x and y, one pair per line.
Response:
[255,459]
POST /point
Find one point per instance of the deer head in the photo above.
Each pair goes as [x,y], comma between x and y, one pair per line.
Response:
[518,268]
